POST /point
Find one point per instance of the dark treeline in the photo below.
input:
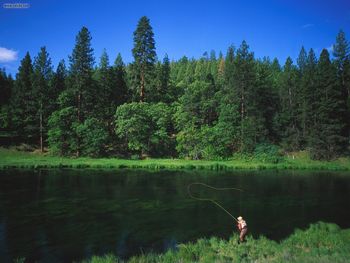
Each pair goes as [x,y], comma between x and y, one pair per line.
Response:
[211,107]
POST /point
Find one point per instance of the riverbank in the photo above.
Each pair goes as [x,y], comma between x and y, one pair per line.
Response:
[17,159]
[321,242]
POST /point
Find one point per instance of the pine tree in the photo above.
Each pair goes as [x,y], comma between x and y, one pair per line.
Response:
[266,101]
[229,67]
[104,92]
[145,57]
[341,53]
[58,84]
[81,69]
[120,91]
[288,116]
[326,139]
[164,93]
[6,89]
[23,108]
[81,81]
[302,60]
[307,96]
[244,84]
[41,86]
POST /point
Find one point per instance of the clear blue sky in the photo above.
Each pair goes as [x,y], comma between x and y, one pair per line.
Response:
[183,27]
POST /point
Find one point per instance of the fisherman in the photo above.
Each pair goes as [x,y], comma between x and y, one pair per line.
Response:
[243,229]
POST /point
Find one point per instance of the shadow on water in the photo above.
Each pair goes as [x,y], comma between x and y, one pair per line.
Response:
[65,215]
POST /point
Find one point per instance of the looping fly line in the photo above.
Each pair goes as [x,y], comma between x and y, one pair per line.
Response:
[211,200]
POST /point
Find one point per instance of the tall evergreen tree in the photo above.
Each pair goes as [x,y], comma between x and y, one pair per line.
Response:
[6,89]
[244,84]
[81,69]
[326,135]
[165,80]
[120,90]
[288,115]
[104,92]
[23,106]
[341,53]
[307,96]
[41,86]
[266,101]
[144,53]
[81,81]
[302,59]
[58,84]
[229,66]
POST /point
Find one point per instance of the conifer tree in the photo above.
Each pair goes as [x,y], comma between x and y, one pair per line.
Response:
[307,96]
[104,91]
[81,81]
[120,90]
[81,69]
[144,53]
[326,135]
[244,84]
[6,90]
[41,86]
[23,106]
[58,84]
[341,53]
[288,116]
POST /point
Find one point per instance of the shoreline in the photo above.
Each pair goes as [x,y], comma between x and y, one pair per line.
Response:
[320,242]
[11,159]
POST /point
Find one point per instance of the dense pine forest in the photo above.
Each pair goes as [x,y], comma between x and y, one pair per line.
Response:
[213,107]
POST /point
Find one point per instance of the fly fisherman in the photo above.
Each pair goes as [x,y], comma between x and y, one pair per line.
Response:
[243,229]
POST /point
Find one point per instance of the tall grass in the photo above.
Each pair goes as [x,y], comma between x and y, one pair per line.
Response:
[19,159]
[321,242]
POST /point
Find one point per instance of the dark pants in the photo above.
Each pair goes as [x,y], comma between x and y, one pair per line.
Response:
[243,234]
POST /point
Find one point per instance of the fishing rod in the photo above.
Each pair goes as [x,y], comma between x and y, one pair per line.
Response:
[211,200]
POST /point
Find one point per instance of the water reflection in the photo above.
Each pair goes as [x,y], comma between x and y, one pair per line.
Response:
[65,215]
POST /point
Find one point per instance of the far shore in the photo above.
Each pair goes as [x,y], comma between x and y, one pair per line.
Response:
[10,159]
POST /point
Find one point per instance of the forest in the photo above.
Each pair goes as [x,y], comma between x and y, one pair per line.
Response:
[212,107]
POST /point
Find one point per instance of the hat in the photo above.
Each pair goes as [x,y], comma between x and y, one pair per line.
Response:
[239,218]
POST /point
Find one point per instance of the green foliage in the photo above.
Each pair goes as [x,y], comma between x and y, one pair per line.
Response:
[109,258]
[288,124]
[267,153]
[328,125]
[145,127]
[62,139]
[213,107]
[81,81]
[93,137]
[321,242]
[23,108]
[145,57]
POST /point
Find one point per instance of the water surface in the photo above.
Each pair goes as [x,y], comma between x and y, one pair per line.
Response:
[65,215]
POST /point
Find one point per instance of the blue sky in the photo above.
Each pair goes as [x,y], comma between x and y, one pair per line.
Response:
[272,28]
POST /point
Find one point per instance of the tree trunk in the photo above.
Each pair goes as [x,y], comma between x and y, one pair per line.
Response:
[41,130]
[79,121]
[242,118]
[142,91]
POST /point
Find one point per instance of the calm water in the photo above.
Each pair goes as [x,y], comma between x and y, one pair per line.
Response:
[65,215]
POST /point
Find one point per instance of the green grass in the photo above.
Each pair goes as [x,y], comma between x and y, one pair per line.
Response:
[321,242]
[21,159]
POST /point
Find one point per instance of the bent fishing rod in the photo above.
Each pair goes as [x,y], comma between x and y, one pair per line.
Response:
[211,200]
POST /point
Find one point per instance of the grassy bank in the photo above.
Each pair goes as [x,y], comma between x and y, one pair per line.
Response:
[321,242]
[18,159]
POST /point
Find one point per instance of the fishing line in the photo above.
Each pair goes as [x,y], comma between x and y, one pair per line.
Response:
[211,200]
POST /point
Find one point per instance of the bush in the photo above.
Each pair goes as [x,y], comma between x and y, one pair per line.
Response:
[267,153]
[93,137]
[145,127]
